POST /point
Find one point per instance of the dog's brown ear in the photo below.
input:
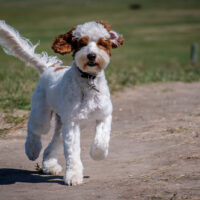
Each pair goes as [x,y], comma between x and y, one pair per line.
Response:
[64,43]
[115,38]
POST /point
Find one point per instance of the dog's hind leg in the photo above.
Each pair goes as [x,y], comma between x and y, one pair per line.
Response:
[50,158]
[38,124]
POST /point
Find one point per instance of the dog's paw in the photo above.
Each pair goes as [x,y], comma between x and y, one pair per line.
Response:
[51,166]
[98,152]
[33,147]
[73,177]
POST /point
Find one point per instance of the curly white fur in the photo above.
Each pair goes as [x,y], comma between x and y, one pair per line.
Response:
[92,29]
[67,94]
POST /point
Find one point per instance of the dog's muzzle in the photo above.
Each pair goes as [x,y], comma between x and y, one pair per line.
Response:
[91,57]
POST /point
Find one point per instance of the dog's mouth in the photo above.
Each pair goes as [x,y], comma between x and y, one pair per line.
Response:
[92,64]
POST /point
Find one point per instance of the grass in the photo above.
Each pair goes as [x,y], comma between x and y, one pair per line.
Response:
[157,48]
[3,132]
[9,118]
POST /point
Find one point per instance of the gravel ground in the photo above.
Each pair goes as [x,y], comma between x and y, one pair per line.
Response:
[154,152]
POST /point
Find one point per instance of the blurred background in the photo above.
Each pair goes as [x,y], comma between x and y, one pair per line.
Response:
[158,37]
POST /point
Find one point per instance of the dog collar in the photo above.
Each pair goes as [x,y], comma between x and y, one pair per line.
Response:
[90,78]
[86,75]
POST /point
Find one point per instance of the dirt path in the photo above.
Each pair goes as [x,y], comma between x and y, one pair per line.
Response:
[154,152]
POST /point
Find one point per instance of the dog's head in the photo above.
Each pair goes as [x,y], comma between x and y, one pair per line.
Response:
[90,44]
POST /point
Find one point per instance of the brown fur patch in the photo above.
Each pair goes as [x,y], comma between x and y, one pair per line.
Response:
[105,45]
[55,64]
[106,25]
[79,44]
[83,42]
[63,43]
[59,68]
[120,42]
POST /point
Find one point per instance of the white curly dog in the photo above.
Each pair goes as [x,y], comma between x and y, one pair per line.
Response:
[71,93]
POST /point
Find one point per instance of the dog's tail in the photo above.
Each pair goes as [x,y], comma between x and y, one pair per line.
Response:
[16,45]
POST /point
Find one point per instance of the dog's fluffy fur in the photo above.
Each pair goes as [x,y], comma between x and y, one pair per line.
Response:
[66,92]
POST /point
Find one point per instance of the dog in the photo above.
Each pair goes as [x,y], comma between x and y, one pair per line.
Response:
[71,93]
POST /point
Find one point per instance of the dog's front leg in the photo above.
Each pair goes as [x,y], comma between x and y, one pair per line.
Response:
[99,148]
[71,142]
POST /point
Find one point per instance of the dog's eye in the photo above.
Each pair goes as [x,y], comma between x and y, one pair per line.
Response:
[101,44]
[82,43]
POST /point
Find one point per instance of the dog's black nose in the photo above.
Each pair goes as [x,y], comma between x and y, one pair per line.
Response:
[91,56]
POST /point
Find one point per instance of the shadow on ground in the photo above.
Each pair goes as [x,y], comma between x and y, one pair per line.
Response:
[10,176]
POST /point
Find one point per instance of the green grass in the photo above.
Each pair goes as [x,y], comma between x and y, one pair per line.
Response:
[157,48]
[9,118]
